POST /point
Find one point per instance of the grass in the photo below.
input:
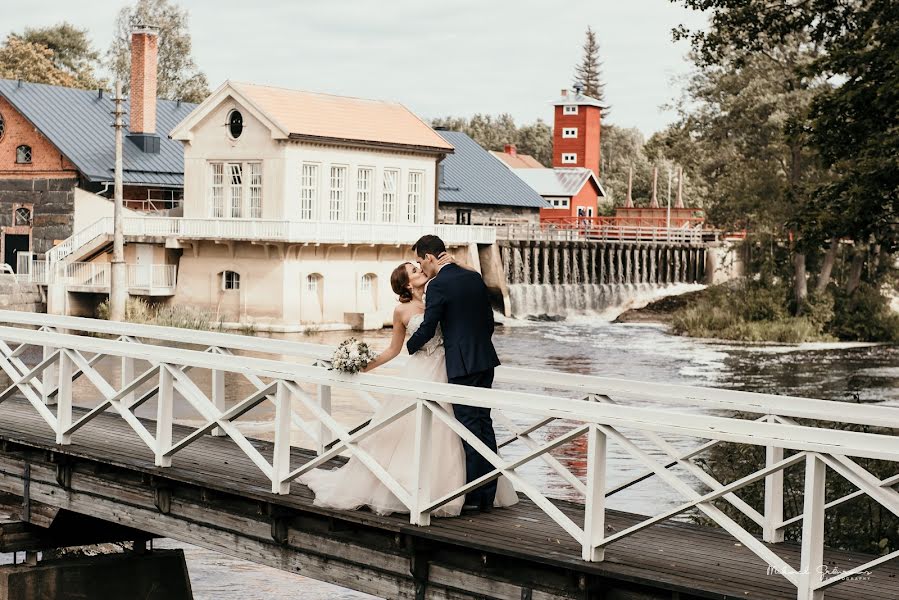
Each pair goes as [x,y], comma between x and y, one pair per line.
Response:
[138,310]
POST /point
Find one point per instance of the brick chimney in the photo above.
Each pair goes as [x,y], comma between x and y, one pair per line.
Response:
[144,51]
[510,149]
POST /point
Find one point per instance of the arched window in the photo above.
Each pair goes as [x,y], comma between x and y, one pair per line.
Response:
[23,155]
[23,217]
[230,280]
[368,292]
[2,126]
[314,283]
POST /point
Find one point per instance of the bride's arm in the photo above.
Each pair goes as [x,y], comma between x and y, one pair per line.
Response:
[396,343]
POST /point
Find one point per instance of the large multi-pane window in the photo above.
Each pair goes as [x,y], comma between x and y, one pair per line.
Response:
[308,191]
[364,177]
[413,196]
[235,190]
[337,198]
[255,191]
[217,190]
[388,195]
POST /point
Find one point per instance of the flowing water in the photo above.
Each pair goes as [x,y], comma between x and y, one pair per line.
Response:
[839,372]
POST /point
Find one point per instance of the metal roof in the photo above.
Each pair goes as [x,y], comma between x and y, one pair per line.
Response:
[518,160]
[79,124]
[559,182]
[575,98]
[474,176]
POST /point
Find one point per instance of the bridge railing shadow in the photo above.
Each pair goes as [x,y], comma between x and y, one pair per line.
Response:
[639,418]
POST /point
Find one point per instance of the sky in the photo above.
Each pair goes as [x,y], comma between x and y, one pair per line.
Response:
[438,58]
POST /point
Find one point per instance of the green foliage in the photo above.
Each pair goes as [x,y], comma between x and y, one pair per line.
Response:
[864,315]
[73,52]
[178,77]
[31,62]
[138,310]
[588,72]
[494,132]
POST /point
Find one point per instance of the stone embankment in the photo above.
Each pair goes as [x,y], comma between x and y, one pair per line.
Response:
[21,296]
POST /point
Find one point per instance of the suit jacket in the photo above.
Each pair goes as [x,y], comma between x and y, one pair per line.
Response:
[458,301]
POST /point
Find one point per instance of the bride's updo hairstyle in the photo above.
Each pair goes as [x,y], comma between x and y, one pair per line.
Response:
[399,281]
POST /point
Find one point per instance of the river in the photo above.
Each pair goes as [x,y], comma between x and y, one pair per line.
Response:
[840,372]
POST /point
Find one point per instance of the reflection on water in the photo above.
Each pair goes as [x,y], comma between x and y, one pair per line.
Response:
[634,351]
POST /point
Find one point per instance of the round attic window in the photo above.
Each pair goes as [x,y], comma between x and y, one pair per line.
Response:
[235,124]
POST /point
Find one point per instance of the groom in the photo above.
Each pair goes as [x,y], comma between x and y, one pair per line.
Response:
[457,300]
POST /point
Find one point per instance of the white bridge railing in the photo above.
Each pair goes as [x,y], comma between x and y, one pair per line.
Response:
[301,392]
[273,231]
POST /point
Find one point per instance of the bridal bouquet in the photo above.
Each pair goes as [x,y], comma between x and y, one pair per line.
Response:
[352,356]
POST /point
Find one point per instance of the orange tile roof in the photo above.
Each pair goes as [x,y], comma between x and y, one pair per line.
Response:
[309,114]
[519,161]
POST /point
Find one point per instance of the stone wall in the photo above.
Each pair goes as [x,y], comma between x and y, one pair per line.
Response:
[53,202]
[20,296]
[481,215]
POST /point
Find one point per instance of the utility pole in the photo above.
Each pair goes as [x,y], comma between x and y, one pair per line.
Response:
[118,290]
[668,212]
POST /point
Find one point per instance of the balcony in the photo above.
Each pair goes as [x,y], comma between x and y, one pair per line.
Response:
[94,277]
[295,232]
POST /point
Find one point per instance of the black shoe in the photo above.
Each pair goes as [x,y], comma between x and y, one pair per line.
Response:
[486,507]
[471,508]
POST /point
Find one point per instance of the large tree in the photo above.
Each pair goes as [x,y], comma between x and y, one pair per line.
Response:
[178,77]
[589,72]
[494,132]
[73,52]
[31,62]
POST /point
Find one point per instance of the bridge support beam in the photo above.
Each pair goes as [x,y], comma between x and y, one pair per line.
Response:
[812,530]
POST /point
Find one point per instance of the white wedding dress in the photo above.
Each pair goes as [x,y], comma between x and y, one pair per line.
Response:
[354,486]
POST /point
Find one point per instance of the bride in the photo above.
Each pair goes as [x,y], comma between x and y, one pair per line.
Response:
[353,486]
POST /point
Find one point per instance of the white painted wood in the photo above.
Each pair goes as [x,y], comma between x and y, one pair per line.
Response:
[812,558]
[218,398]
[281,456]
[421,464]
[595,506]
[64,399]
[324,403]
[51,378]
[772,532]
[165,403]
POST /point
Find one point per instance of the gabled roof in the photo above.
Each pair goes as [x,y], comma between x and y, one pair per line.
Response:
[324,118]
[79,124]
[472,176]
[559,182]
[518,160]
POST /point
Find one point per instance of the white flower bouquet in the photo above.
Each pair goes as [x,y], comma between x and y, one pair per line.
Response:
[351,356]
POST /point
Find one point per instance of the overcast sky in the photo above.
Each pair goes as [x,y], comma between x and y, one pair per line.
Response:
[438,58]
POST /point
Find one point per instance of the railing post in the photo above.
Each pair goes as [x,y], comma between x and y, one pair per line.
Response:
[324,402]
[64,399]
[164,416]
[49,377]
[281,456]
[218,398]
[422,465]
[772,531]
[812,558]
[595,506]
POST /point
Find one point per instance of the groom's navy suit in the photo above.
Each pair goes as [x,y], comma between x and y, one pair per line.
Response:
[457,300]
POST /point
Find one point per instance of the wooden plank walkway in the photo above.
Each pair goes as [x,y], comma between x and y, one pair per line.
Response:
[694,561]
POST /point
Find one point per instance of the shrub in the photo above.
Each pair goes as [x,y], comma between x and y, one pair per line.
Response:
[864,315]
[138,310]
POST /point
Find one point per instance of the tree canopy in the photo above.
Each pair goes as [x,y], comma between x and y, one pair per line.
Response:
[589,72]
[494,132]
[57,55]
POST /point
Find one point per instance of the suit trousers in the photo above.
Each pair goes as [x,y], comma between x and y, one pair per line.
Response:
[478,421]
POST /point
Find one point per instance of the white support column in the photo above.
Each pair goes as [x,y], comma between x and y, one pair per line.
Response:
[281,456]
[64,399]
[774,497]
[127,377]
[595,506]
[422,465]
[218,398]
[812,530]
[164,413]
[324,401]
[49,378]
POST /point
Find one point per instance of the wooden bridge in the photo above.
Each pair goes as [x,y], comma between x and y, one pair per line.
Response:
[100,454]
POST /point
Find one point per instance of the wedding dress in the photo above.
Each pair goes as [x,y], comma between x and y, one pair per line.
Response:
[354,486]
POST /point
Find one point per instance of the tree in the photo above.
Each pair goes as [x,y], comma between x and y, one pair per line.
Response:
[31,62]
[73,53]
[588,72]
[622,151]
[494,132]
[178,77]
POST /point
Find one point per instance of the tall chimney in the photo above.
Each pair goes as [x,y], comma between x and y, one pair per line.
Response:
[144,52]
[510,149]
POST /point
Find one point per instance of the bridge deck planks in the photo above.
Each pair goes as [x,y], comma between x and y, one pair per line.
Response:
[674,555]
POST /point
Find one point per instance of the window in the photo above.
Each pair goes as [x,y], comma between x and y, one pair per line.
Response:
[363,194]
[559,202]
[235,124]
[255,191]
[569,109]
[338,193]
[590,211]
[235,189]
[388,196]
[314,283]
[308,191]
[229,189]
[2,126]
[368,292]
[569,132]
[413,196]
[367,284]
[230,280]
[217,190]
[569,158]
[463,216]
[22,217]
[23,155]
